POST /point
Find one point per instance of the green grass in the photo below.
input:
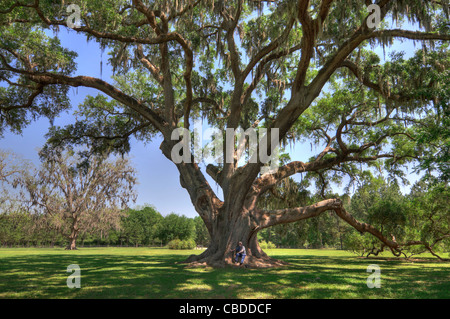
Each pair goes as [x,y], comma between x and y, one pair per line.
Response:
[156,273]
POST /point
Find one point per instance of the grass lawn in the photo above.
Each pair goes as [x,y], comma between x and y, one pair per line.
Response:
[156,273]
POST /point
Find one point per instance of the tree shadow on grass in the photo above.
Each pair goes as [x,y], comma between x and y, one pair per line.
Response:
[161,276]
[346,277]
[102,276]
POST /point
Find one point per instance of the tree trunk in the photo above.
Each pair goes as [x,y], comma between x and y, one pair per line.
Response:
[73,235]
[227,231]
[72,241]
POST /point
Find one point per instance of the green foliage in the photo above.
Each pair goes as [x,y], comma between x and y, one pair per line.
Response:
[267,245]
[380,204]
[202,236]
[141,227]
[24,229]
[174,226]
[48,56]
[422,216]
[181,244]
[120,28]
[15,228]
[358,244]
[429,214]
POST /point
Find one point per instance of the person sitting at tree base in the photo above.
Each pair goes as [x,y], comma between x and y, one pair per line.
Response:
[240,253]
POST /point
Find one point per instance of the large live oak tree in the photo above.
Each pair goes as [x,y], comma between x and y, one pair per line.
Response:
[303,67]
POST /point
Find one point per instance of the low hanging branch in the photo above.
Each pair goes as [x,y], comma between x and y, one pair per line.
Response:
[268,218]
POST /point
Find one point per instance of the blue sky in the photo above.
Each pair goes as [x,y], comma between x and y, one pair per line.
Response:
[158,178]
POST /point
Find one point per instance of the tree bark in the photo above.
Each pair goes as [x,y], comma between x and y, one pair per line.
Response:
[73,235]
[72,243]
[228,230]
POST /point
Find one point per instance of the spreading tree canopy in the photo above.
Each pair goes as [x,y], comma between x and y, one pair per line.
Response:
[303,67]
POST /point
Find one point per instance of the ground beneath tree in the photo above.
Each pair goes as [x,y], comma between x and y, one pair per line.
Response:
[250,262]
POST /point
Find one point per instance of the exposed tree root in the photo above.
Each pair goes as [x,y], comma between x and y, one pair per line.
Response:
[216,261]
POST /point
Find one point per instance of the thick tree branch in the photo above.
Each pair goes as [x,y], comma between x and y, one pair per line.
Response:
[324,9]
[149,14]
[273,45]
[214,172]
[46,78]
[125,135]
[268,218]
[229,24]
[308,41]
[192,179]
[361,34]
[148,65]
[365,228]
[184,10]
[212,102]
[36,92]
[265,182]
[412,35]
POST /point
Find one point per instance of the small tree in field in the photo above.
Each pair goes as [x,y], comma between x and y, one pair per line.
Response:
[81,196]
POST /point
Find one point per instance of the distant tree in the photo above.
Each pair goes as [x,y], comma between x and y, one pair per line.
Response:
[202,237]
[428,224]
[15,222]
[174,226]
[140,226]
[78,196]
[421,220]
[379,202]
[15,228]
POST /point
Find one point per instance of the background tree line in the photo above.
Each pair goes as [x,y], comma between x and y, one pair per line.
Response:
[423,214]
[143,226]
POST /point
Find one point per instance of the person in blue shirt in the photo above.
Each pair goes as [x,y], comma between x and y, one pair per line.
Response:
[240,253]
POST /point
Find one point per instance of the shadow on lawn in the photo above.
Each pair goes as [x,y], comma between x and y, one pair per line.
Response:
[160,276]
[346,277]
